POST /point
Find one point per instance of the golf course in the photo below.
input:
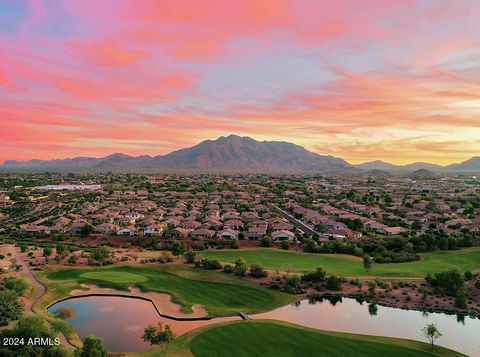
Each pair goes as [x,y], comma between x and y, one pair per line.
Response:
[274,338]
[220,294]
[350,266]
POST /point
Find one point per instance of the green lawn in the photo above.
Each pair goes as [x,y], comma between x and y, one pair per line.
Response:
[273,338]
[219,293]
[344,265]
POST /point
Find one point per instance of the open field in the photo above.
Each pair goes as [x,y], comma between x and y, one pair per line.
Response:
[220,294]
[349,266]
[273,338]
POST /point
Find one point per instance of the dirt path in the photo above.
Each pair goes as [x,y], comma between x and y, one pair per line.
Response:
[39,291]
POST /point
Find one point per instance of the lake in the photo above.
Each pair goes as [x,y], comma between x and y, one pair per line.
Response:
[348,315]
[120,321]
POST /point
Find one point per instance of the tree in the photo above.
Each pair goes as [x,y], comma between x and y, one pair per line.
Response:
[10,307]
[372,288]
[461,299]
[178,247]
[30,328]
[257,271]
[101,254]
[92,347]
[86,230]
[318,275]
[367,262]
[234,244]
[61,250]
[15,284]
[449,281]
[47,251]
[266,241]
[431,332]
[190,257]
[158,335]
[240,268]
[334,282]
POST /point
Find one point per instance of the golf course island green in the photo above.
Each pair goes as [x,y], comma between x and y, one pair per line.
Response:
[220,294]
[350,266]
[268,338]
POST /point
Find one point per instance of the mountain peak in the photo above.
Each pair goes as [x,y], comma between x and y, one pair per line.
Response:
[226,153]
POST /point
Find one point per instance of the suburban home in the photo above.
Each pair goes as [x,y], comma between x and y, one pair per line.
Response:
[153,230]
[54,229]
[179,232]
[233,223]
[256,233]
[228,234]
[202,233]
[283,235]
[104,228]
[392,230]
[129,231]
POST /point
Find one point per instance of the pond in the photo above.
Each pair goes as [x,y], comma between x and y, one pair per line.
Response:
[460,333]
[120,321]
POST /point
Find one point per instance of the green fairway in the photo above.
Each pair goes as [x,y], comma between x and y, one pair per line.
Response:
[114,277]
[344,265]
[272,338]
[219,293]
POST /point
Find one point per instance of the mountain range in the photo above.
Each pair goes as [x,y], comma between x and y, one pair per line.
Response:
[235,153]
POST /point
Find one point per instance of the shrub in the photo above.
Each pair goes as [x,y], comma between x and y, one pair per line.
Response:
[15,284]
[318,275]
[257,271]
[240,268]
[448,282]
[461,299]
[334,282]
[228,268]
[234,244]
[266,241]
[198,246]
[293,284]
[190,257]
[210,264]
[285,245]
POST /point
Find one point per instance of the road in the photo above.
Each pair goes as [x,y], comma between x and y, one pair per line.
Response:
[299,224]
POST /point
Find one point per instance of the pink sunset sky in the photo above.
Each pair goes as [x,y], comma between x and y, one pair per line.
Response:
[362,80]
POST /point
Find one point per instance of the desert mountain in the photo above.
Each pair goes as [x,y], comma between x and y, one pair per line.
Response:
[231,153]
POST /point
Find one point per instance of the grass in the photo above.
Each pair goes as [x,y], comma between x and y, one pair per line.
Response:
[349,266]
[219,293]
[274,338]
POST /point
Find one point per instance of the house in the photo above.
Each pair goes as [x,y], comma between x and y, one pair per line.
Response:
[392,230]
[153,230]
[54,229]
[202,233]
[228,234]
[343,233]
[179,232]
[256,233]
[283,235]
[233,223]
[104,228]
[129,231]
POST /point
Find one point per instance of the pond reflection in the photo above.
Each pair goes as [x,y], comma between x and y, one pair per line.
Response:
[460,333]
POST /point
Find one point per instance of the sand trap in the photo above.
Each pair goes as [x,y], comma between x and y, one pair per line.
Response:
[162,301]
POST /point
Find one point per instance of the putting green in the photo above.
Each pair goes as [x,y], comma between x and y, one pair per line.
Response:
[115,277]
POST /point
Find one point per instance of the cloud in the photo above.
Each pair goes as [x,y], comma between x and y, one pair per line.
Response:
[358,79]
